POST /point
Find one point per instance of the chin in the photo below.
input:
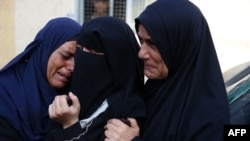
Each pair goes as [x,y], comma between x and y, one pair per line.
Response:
[59,86]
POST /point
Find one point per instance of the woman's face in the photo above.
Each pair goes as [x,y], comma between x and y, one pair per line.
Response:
[61,65]
[154,65]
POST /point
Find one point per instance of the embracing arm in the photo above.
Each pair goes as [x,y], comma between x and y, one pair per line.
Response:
[117,130]
[74,132]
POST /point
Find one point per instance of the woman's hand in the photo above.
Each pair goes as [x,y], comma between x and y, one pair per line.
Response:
[116,130]
[64,113]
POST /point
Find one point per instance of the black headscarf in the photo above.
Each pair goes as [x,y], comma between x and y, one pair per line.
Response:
[117,75]
[191,104]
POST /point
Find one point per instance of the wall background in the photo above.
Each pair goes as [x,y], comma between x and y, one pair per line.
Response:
[7,30]
[229,22]
[20,20]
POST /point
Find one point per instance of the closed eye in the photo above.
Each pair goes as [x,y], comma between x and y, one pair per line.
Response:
[64,55]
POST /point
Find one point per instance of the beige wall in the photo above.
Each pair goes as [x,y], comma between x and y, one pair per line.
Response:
[32,15]
[229,22]
[20,20]
[7,31]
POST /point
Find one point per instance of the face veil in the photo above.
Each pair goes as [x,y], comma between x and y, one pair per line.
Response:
[109,69]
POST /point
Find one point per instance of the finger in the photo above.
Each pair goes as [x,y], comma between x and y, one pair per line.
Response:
[126,121]
[61,102]
[50,111]
[56,103]
[115,122]
[108,135]
[74,99]
[111,127]
[133,122]
[64,102]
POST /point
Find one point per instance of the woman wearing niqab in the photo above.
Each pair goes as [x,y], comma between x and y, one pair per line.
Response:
[107,76]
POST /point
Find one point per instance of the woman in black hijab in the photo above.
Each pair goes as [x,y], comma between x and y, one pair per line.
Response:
[107,79]
[185,95]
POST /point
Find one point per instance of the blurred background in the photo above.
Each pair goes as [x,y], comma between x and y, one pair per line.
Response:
[20,20]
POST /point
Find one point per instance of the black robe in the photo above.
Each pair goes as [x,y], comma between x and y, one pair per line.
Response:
[191,103]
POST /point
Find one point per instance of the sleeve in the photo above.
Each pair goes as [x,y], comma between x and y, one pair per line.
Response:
[71,133]
[7,132]
[136,139]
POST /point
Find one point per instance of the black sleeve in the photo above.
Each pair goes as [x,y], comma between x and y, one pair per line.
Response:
[73,132]
[136,139]
[7,132]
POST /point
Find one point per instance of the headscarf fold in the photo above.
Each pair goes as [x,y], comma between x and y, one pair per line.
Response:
[24,89]
[191,104]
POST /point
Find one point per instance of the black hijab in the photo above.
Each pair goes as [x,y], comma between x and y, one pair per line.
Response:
[117,75]
[191,104]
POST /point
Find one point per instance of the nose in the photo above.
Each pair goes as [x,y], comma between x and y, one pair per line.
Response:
[70,64]
[143,53]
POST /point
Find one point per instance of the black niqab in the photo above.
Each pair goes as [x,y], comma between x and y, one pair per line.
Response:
[117,75]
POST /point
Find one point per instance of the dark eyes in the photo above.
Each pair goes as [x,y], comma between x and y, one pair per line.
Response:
[148,42]
[92,51]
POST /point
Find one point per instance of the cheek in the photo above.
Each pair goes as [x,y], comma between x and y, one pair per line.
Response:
[51,68]
[164,71]
[162,68]
[49,76]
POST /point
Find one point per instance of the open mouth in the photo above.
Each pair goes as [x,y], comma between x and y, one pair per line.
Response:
[62,77]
